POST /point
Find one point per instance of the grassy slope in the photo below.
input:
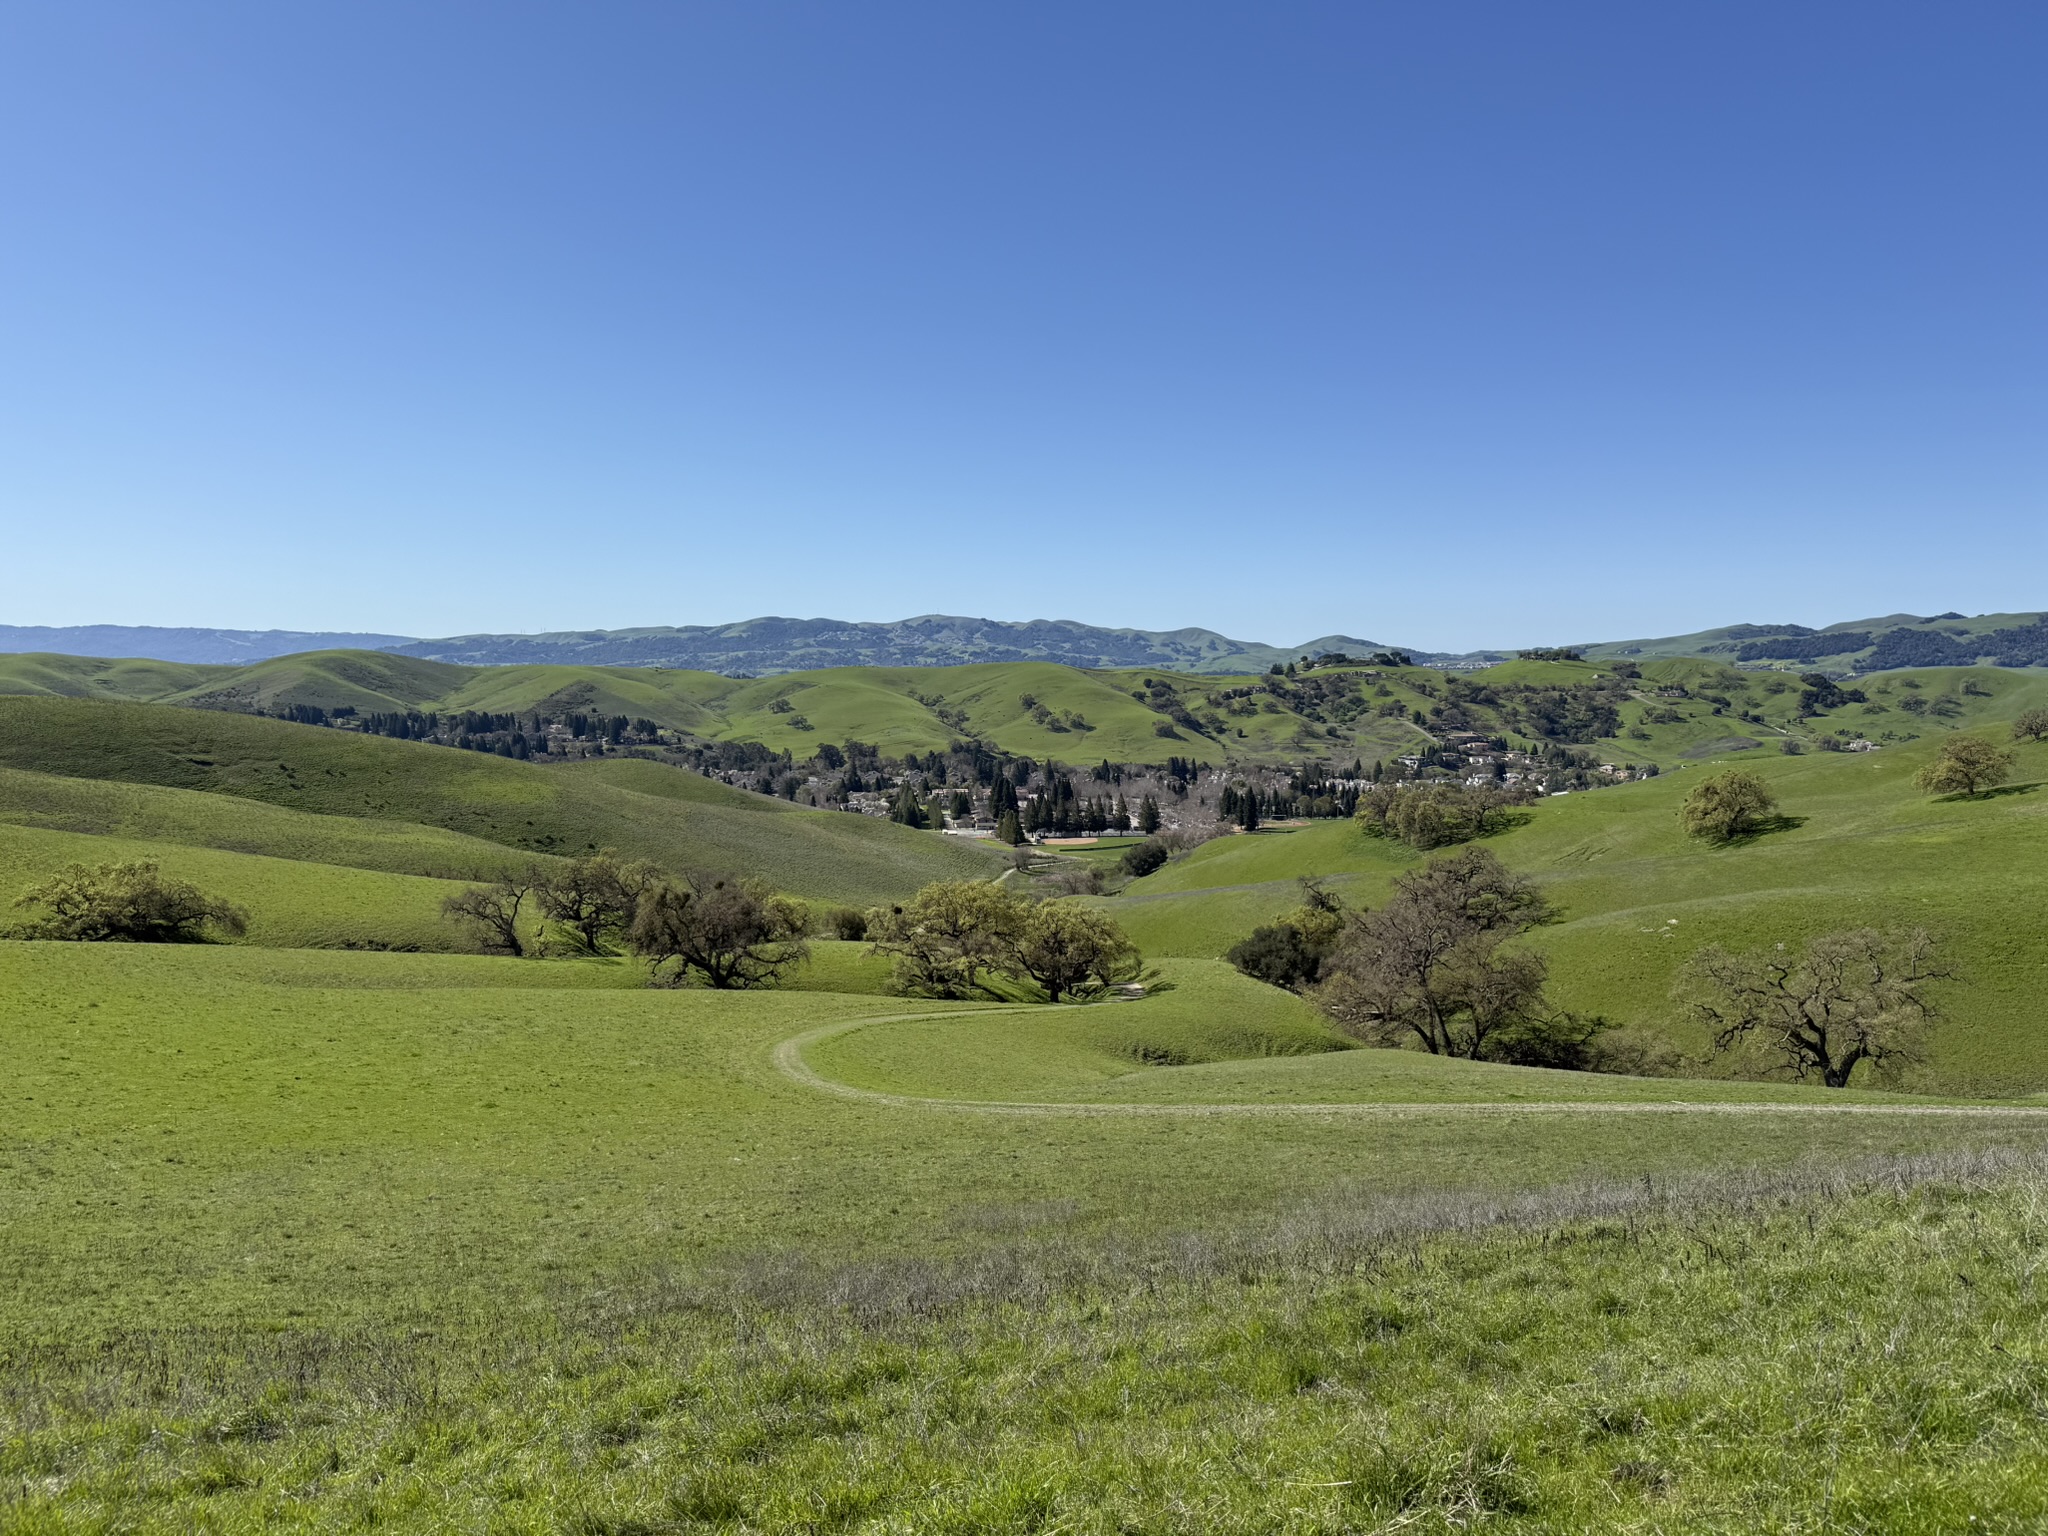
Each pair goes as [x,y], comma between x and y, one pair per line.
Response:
[900,709]
[233,1133]
[1871,849]
[90,677]
[291,903]
[688,822]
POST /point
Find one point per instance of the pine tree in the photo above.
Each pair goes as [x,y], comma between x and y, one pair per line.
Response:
[1008,830]
[1120,818]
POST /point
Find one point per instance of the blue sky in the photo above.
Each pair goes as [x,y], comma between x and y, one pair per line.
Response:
[1445,325]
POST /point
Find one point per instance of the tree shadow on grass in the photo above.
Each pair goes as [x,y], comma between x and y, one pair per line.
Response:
[1988,794]
[1764,827]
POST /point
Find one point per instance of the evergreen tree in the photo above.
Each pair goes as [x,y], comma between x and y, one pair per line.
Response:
[1148,816]
[1120,818]
[1007,828]
[905,809]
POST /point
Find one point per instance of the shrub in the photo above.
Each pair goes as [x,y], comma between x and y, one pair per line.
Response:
[1277,954]
[127,903]
[848,923]
[1144,858]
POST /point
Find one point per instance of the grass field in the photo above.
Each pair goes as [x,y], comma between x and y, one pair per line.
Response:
[299,1235]
[302,1240]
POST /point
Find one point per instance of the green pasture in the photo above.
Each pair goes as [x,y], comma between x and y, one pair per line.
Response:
[261,1136]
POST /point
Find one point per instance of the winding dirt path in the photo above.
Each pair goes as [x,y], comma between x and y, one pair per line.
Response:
[789,1061]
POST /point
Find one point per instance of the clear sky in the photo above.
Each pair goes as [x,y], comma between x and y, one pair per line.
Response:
[1438,324]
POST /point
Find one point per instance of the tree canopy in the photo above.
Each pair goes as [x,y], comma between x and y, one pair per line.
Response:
[131,903]
[1727,806]
[1966,765]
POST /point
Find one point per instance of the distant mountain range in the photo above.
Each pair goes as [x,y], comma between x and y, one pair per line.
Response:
[758,647]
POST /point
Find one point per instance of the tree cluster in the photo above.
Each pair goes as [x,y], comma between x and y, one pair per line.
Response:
[954,937]
[720,930]
[1436,815]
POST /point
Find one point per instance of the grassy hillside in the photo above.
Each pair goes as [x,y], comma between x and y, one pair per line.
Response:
[292,903]
[690,822]
[1678,707]
[1637,896]
[90,677]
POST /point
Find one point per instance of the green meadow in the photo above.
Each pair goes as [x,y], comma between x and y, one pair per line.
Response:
[337,1228]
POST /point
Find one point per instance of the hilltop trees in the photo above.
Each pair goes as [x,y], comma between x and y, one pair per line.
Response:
[722,930]
[1847,998]
[1727,806]
[130,903]
[1965,765]
[1430,965]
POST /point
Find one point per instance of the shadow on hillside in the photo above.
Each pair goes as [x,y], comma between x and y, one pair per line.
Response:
[1989,794]
[1765,827]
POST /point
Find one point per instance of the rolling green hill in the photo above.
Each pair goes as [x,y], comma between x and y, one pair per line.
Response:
[1637,896]
[1669,709]
[641,809]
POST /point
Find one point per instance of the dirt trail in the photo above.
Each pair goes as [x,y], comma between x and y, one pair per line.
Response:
[789,1061]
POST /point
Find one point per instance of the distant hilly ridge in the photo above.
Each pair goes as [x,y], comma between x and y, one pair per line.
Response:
[766,646]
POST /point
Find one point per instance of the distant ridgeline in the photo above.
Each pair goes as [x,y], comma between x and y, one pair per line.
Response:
[772,645]
[1927,644]
[767,647]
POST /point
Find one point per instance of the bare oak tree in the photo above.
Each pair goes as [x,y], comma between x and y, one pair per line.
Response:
[1846,998]
[725,931]
[494,911]
[596,898]
[1429,965]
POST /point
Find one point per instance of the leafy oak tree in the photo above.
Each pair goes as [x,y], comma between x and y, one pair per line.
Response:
[1965,765]
[1727,806]
[130,903]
